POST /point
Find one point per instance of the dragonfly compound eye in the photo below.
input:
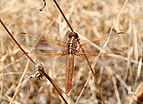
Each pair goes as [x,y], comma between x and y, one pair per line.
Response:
[75,35]
[70,35]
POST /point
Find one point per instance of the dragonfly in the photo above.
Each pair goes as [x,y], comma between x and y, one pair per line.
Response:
[72,49]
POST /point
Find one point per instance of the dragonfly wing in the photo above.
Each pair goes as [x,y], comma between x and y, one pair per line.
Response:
[55,42]
[49,46]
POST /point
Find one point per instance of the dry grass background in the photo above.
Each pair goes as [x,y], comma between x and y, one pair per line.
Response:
[119,75]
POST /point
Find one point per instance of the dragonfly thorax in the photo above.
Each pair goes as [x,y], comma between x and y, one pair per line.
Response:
[72,46]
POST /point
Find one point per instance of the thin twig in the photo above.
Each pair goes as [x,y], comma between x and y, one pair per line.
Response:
[44,5]
[63,15]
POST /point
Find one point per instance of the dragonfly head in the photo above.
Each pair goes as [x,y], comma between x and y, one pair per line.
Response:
[73,34]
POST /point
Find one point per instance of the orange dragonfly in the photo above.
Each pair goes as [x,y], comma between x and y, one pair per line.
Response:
[72,48]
